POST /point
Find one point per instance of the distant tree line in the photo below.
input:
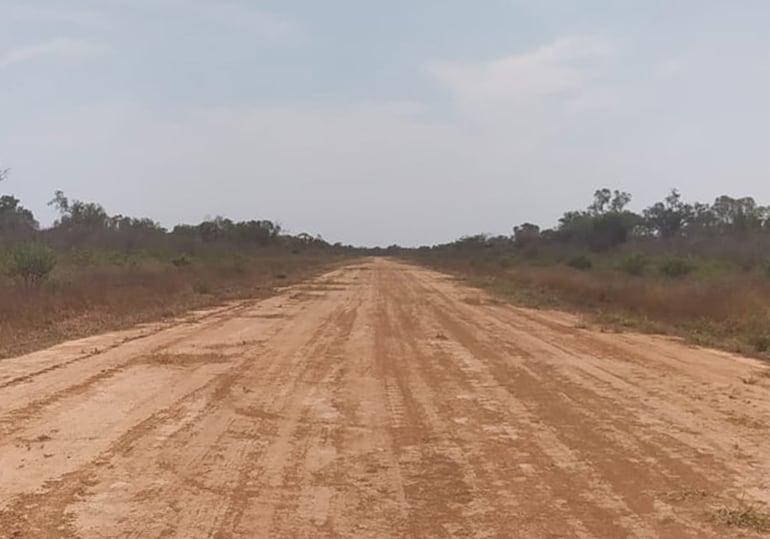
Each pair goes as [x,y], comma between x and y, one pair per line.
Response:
[607,222]
[736,228]
[88,224]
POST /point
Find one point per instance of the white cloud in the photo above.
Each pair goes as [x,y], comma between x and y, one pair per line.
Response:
[62,48]
[563,70]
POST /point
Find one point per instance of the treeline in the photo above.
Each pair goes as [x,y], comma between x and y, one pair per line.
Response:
[734,228]
[87,224]
[92,271]
[86,237]
[607,223]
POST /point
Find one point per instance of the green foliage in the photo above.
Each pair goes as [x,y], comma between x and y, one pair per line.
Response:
[605,224]
[668,218]
[77,213]
[181,261]
[526,235]
[606,201]
[634,264]
[676,267]
[92,216]
[15,218]
[611,229]
[580,262]
[32,263]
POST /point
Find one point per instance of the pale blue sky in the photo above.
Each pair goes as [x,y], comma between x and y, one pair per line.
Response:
[382,122]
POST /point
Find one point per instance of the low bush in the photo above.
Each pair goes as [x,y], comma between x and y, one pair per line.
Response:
[580,262]
[181,261]
[676,267]
[633,265]
[31,263]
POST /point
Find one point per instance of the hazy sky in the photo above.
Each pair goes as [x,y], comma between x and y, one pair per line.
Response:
[369,122]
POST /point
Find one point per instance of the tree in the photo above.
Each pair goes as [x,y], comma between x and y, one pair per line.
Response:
[611,229]
[606,201]
[702,219]
[605,223]
[60,202]
[526,234]
[602,198]
[120,223]
[14,217]
[574,226]
[620,199]
[476,241]
[668,218]
[79,214]
[32,263]
[259,232]
[738,214]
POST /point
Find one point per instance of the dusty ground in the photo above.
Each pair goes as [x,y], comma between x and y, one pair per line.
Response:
[380,400]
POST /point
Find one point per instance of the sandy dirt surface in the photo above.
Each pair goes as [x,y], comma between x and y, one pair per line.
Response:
[380,400]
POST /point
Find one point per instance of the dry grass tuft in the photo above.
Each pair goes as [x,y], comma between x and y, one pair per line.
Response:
[744,516]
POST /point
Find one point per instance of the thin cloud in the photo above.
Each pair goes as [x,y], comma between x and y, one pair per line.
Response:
[240,16]
[266,25]
[80,17]
[61,48]
[561,69]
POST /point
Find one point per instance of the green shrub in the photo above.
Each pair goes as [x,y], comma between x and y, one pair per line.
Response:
[181,261]
[580,262]
[677,267]
[31,263]
[633,264]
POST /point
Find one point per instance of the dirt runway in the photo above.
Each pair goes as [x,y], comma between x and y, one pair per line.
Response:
[380,400]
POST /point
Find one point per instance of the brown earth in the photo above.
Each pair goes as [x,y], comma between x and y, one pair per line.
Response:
[381,400]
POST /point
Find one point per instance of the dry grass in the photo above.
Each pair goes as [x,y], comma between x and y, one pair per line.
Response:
[722,299]
[744,516]
[83,299]
[730,309]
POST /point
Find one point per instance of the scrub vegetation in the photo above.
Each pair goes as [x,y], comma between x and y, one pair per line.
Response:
[697,270]
[92,271]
